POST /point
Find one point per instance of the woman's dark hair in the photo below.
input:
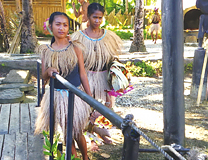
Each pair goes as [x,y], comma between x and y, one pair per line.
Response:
[94,7]
[51,19]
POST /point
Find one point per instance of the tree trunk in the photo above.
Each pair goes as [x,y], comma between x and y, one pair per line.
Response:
[138,42]
[4,37]
[28,37]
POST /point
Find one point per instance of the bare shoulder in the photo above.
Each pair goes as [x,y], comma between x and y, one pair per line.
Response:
[77,50]
[85,5]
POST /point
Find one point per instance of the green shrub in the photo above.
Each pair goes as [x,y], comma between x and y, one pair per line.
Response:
[150,69]
[124,35]
[53,148]
[144,69]
[188,67]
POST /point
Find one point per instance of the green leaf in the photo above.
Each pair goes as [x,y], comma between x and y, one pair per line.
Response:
[44,133]
[63,157]
[54,146]
[46,147]
[58,154]
[48,143]
[72,156]
[47,153]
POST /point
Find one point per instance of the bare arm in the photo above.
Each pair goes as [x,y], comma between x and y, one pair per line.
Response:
[47,73]
[77,14]
[84,8]
[82,72]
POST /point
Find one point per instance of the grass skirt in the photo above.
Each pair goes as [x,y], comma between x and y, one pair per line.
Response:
[81,113]
[98,84]
[155,27]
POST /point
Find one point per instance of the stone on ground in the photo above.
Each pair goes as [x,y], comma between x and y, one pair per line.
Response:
[21,86]
[11,96]
[17,76]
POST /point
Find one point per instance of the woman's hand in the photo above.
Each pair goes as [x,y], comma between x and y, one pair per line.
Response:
[51,70]
[68,37]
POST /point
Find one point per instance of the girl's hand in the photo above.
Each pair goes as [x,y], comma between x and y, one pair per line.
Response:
[50,71]
[68,37]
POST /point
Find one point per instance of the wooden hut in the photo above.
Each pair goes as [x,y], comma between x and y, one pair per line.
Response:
[41,9]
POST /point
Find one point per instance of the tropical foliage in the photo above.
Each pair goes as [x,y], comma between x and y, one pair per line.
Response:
[52,149]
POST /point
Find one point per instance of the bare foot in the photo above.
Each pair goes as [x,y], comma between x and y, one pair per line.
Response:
[155,42]
[102,132]
[94,146]
[106,140]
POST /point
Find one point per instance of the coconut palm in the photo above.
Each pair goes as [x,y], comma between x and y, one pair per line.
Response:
[28,37]
[138,41]
[4,43]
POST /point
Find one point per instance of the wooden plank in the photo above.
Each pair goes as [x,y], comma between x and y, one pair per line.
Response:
[21,146]
[4,118]
[14,120]
[1,143]
[33,114]
[8,148]
[35,147]
[25,119]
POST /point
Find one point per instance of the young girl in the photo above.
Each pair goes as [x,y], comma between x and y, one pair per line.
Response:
[65,58]
[102,45]
[155,25]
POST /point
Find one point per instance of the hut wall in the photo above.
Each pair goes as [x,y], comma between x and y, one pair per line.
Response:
[41,9]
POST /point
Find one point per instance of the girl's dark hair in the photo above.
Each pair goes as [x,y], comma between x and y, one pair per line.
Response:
[51,19]
[94,7]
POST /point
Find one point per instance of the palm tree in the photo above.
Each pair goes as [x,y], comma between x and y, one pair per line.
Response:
[138,42]
[28,37]
[4,42]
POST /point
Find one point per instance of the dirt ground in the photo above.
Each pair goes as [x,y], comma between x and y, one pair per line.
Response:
[145,103]
[148,115]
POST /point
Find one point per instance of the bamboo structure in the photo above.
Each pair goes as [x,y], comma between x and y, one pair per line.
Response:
[41,9]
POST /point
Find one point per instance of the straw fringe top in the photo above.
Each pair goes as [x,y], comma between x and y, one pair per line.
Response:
[63,60]
[99,51]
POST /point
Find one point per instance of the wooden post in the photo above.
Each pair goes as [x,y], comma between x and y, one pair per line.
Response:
[18,6]
[173,72]
[202,79]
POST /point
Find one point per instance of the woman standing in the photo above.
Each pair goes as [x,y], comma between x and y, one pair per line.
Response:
[155,25]
[64,57]
[101,48]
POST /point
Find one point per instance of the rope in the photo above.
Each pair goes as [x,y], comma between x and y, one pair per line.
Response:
[128,121]
[172,149]
[149,140]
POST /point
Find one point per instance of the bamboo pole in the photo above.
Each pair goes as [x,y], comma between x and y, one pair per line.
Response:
[15,40]
[202,77]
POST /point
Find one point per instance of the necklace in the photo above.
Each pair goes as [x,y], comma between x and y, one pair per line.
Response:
[95,46]
[98,35]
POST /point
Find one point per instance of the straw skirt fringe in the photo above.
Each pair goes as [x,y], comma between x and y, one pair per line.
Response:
[98,84]
[81,113]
